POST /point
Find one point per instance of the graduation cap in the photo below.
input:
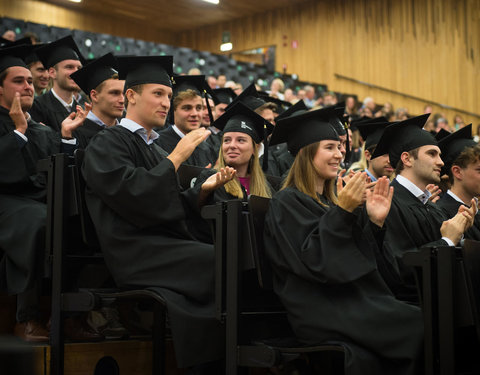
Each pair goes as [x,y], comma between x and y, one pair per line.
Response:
[32,56]
[296,109]
[304,129]
[62,49]
[403,136]
[138,70]
[281,105]
[7,43]
[442,134]
[223,95]
[14,56]
[249,97]
[240,118]
[196,83]
[454,144]
[371,130]
[93,74]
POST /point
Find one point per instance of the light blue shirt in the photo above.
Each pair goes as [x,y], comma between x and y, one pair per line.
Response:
[139,129]
[94,118]
[370,175]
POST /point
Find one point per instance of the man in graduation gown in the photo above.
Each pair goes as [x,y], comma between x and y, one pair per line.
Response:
[140,213]
[61,58]
[99,80]
[187,109]
[461,155]
[22,190]
[413,222]
[371,130]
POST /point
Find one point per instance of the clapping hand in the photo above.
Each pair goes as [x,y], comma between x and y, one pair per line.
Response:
[379,201]
[74,120]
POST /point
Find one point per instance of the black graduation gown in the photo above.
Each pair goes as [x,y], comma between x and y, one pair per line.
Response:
[49,111]
[84,133]
[22,197]
[410,226]
[215,141]
[325,274]
[201,156]
[283,159]
[450,207]
[136,205]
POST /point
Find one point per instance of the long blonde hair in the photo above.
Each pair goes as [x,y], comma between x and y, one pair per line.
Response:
[362,164]
[258,181]
[303,174]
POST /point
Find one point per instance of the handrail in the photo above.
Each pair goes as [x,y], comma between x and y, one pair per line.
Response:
[372,85]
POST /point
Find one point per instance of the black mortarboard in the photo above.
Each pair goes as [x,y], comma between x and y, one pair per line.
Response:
[296,109]
[404,136]
[196,83]
[304,129]
[62,49]
[249,97]
[282,105]
[13,56]
[337,118]
[442,133]
[32,56]
[138,70]
[6,43]
[223,95]
[93,74]
[371,130]
[454,144]
[240,118]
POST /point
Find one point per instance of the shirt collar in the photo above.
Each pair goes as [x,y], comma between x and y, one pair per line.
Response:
[138,129]
[64,103]
[93,117]
[261,149]
[214,130]
[178,131]
[423,196]
[369,174]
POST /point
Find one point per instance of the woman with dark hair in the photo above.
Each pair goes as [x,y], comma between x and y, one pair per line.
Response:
[324,250]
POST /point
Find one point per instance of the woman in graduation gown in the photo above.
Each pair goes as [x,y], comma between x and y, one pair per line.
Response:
[243,131]
[322,250]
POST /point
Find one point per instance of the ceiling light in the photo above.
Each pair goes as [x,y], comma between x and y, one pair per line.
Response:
[76,1]
[212,1]
[224,47]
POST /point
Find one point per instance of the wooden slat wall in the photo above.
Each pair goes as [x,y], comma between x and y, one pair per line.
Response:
[50,14]
[426,48]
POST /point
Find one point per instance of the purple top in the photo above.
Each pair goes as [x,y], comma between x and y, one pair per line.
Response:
[245,181]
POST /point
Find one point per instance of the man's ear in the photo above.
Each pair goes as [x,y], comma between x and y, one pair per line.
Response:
[457,172]
[130,95]
[52,72]
[368,155]
[406,159]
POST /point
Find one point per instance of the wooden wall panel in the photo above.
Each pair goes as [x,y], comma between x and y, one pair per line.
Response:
[427,48]
[53,15]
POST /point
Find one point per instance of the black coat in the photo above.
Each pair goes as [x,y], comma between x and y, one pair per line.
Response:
[49,111]
[326,276]
[410,226]
[86,132]
[201,156]
[450,207]
[22,202]
[140,214]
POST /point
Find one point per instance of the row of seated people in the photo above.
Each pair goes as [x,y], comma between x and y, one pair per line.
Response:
[335,242]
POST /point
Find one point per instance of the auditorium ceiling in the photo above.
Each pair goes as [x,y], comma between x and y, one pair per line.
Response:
[177,15]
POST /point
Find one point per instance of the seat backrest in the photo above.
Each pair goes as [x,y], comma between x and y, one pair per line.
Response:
[89,234]
[258,207]
[471,261]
